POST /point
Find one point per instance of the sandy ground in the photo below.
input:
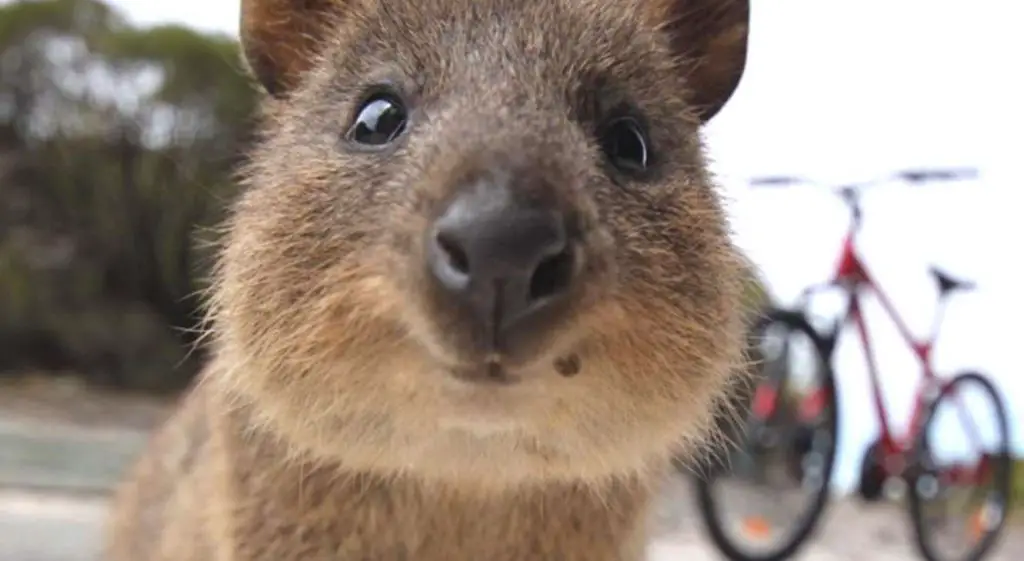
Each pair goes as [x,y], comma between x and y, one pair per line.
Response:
[37,527]
[49,439]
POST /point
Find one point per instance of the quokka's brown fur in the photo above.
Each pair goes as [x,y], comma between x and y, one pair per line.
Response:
[331,424]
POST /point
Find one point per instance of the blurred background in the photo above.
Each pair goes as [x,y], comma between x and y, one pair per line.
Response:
[121,122]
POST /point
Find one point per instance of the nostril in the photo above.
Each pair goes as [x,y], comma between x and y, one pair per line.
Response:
[552,276]
[454,253]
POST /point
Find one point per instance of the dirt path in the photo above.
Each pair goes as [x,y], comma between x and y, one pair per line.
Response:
[36,527]
[50,443]
[849,531]
[49,528]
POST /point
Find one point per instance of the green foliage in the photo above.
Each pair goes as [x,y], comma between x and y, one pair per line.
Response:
[117,146]
[85,19]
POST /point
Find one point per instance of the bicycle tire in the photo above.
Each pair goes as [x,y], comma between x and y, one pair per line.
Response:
[1003,470]
[796,322]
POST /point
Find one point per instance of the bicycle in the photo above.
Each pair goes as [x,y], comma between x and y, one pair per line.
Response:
[804,424]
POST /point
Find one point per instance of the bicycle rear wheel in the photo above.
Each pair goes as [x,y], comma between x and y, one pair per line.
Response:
[789,433]
[941,478]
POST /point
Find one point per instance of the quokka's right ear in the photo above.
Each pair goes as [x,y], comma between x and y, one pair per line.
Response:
[280,38]
[710,38]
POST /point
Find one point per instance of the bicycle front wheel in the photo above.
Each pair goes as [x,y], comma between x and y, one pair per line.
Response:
[764,501]
[960,485]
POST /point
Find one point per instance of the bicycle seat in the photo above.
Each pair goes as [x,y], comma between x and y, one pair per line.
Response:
[948,283]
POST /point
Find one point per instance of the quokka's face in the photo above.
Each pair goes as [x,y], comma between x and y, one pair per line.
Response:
[479,237]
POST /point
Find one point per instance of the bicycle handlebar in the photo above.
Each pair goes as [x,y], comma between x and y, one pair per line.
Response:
[850,193]
[905,175]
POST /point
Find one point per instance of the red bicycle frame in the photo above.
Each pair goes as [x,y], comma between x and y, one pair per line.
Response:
[854,277]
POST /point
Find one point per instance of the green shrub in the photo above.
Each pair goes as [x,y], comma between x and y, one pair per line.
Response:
[103,203]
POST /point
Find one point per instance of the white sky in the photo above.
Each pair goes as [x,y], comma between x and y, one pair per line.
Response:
[842,91]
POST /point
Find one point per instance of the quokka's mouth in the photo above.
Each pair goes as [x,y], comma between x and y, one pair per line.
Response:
[490,372]
[497,371]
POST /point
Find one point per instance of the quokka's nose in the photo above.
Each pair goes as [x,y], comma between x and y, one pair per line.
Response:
[502,258]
